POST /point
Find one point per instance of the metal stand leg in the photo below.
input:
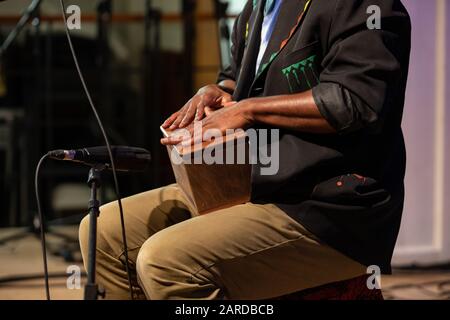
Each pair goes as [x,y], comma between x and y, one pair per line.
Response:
[91,290]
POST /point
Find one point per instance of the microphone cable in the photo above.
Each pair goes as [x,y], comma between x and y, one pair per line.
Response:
[42,225]
[113,167]
[108,146]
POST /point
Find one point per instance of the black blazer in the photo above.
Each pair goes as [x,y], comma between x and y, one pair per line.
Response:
[346,188]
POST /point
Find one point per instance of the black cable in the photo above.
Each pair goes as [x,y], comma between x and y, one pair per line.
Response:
[108,146]
[42,225]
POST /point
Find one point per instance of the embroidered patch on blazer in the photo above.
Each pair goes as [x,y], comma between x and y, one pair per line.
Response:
[302,73]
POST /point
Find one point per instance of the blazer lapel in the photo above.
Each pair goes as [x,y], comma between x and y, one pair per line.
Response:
[292,10]
[248,65]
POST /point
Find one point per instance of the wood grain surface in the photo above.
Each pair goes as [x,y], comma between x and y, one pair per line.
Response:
[210,187]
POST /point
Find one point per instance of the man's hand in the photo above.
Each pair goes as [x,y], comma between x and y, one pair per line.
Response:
[294,112]
[232,116]
[207,99]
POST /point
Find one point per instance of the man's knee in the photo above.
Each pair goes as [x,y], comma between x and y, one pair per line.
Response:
[156,257]
[164,265]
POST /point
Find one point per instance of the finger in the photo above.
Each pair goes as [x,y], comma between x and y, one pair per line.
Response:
[180,115]
[178,120]
[187,119]
[208,111]
[194,134]
[170,120]
[200,111]
[171,141]
[229,104]
[226,99]
[192,141]
[189,116]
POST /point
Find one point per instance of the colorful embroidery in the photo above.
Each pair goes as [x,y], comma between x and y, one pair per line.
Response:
[265,65]
[298,71]
[284,42]
[307,5]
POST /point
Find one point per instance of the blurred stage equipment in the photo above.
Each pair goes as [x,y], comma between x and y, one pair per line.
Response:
[49,86]
[10,144]
[27,15]
[153,86]
[40,101]
[31,115]
[224,36]
[32,133]
[189,7]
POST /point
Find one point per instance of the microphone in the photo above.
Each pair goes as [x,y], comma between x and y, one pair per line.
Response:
[125,158]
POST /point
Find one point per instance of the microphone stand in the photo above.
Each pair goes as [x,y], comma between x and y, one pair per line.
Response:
[91,289]
[28,14]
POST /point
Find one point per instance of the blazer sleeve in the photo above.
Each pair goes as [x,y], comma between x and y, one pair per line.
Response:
[238,39]
[230,72]
[363,67]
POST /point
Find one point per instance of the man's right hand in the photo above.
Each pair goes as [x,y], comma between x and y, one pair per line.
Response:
[207,98]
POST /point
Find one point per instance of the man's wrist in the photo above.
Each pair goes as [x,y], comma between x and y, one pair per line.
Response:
[248,108]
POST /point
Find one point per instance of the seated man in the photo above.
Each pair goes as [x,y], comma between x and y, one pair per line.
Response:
[335,89]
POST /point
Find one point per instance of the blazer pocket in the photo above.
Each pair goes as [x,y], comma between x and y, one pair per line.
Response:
[350,189]
[301,67]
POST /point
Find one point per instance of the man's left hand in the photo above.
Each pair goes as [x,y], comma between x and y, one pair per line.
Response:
[232,116]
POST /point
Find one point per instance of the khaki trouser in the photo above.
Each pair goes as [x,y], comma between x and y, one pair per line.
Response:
[248,251]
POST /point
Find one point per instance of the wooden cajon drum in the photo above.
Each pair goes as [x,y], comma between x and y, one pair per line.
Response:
[210,187]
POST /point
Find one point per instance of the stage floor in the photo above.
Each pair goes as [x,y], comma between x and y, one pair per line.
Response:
[23,257]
